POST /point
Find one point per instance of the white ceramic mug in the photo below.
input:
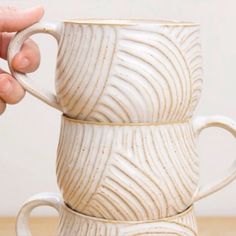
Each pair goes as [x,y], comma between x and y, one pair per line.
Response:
[121,71]
[72,223]
[134,171]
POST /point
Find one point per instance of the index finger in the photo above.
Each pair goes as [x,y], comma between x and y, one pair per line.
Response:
[12,19]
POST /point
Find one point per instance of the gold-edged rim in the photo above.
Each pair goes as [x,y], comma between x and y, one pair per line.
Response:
[131,22]
[84,122]
[167,219]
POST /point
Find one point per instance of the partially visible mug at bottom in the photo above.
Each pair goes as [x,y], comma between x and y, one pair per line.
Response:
[72,223]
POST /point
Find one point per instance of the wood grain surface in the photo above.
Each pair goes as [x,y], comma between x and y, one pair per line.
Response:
[208,226]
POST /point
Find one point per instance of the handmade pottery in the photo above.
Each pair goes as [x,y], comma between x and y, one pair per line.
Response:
[128,152]
[121,71]
[75,224]
[134,171]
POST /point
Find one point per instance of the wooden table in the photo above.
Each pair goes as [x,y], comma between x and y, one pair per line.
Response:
[208,226]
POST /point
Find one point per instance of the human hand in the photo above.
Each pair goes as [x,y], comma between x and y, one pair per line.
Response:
[27,60]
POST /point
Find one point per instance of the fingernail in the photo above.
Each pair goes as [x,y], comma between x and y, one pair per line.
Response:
[5,87]
[24,63]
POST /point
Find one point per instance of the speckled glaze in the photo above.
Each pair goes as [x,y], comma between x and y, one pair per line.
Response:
[128,151]
[136,171]
[75,224]
[121,71]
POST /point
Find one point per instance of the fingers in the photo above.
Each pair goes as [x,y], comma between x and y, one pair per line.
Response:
[5,39]
[27,60]
[11,91]
[12,20]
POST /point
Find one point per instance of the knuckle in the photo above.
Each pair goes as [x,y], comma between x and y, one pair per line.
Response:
[17,98]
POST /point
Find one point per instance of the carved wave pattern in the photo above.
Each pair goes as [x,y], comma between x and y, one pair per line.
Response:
[84,62]
[81,225]
[132,74]
[190,44]
[127,173]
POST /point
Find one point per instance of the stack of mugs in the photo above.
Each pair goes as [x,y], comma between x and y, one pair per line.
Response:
[127,160]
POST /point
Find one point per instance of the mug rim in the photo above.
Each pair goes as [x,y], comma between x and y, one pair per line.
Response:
[168,219]
[98,123]
[131,22]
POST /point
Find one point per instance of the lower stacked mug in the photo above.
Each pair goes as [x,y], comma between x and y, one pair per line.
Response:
[134,172]
[72,223]
[128,179]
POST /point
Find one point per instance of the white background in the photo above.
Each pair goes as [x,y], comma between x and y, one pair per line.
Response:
[29,131]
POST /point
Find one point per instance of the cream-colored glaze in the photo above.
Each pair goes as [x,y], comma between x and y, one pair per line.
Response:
[201,123]
[128,22]
[75,224]
[133,172]
[121,71]
[27,82]
[136,84]
[127,172]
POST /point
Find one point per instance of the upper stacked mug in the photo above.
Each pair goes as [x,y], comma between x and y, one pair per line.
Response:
[128,90]
[122,71]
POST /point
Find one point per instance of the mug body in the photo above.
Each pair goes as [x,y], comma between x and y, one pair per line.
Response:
[127,172]
[129,71]
[76,224]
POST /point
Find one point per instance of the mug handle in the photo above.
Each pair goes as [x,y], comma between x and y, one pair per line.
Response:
[43,199]
[14,47]
[201,123]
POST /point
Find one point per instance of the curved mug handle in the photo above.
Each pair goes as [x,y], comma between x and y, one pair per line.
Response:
[27,82]
[43,199]
[201,123]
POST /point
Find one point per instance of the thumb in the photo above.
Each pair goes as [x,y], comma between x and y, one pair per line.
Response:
[12,19]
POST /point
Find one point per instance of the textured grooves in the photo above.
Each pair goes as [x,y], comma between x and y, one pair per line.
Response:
[78,225]
[189,42]
[83,68]
[133,74]
[127,173]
